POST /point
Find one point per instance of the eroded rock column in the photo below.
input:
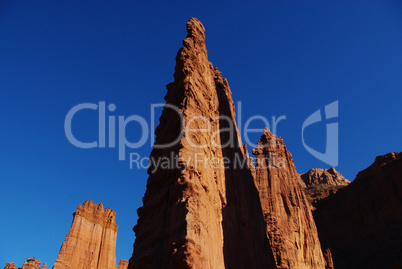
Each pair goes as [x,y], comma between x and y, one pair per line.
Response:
[91,241]
[197,213]
[290,224]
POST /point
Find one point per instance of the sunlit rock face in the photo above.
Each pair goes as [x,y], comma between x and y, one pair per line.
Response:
[320,183]
[290,224]
[317,176]
[196,213]
[123,264]
[91,241]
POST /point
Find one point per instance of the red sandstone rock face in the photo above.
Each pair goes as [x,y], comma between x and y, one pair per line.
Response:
[196,213]
[362,223]
[317,176]
[91,241]
[290,224]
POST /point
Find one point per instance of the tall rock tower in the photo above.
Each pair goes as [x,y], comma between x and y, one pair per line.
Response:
[290,224]
[91,241]
[201,210]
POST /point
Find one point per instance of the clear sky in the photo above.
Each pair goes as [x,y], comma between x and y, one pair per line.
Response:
[280,58]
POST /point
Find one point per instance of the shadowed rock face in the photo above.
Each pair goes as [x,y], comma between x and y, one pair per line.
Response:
[290,224]
[196,213]
[91,241]
[361,223]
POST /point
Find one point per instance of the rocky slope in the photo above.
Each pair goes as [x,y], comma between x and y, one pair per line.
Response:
[91,241]
[290,224]
[361,223]
[320,183]
[196,213]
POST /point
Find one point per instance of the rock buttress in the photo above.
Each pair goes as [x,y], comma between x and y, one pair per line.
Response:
[195,213]
[290,224]
[91,241]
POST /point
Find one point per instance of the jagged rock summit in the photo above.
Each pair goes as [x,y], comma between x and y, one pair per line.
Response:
[361,223]
[122,264]
[290,224]
[197,214]
[91,241]
[320,183]
[318,176]
[30,263]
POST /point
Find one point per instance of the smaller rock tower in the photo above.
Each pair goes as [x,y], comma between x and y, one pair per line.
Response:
[91,241]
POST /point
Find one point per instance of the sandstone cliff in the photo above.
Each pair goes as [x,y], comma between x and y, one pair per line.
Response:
[197,213]
[290,224]
[320,183]
[361,223]
[91,241]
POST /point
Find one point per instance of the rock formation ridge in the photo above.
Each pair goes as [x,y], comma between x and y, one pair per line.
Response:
[200,216]
[361,223]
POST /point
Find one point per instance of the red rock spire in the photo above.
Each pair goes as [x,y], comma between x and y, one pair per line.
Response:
[91,241]
[290,224]
[198,215]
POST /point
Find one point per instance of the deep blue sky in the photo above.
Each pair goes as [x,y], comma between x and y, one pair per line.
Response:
[280,58]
